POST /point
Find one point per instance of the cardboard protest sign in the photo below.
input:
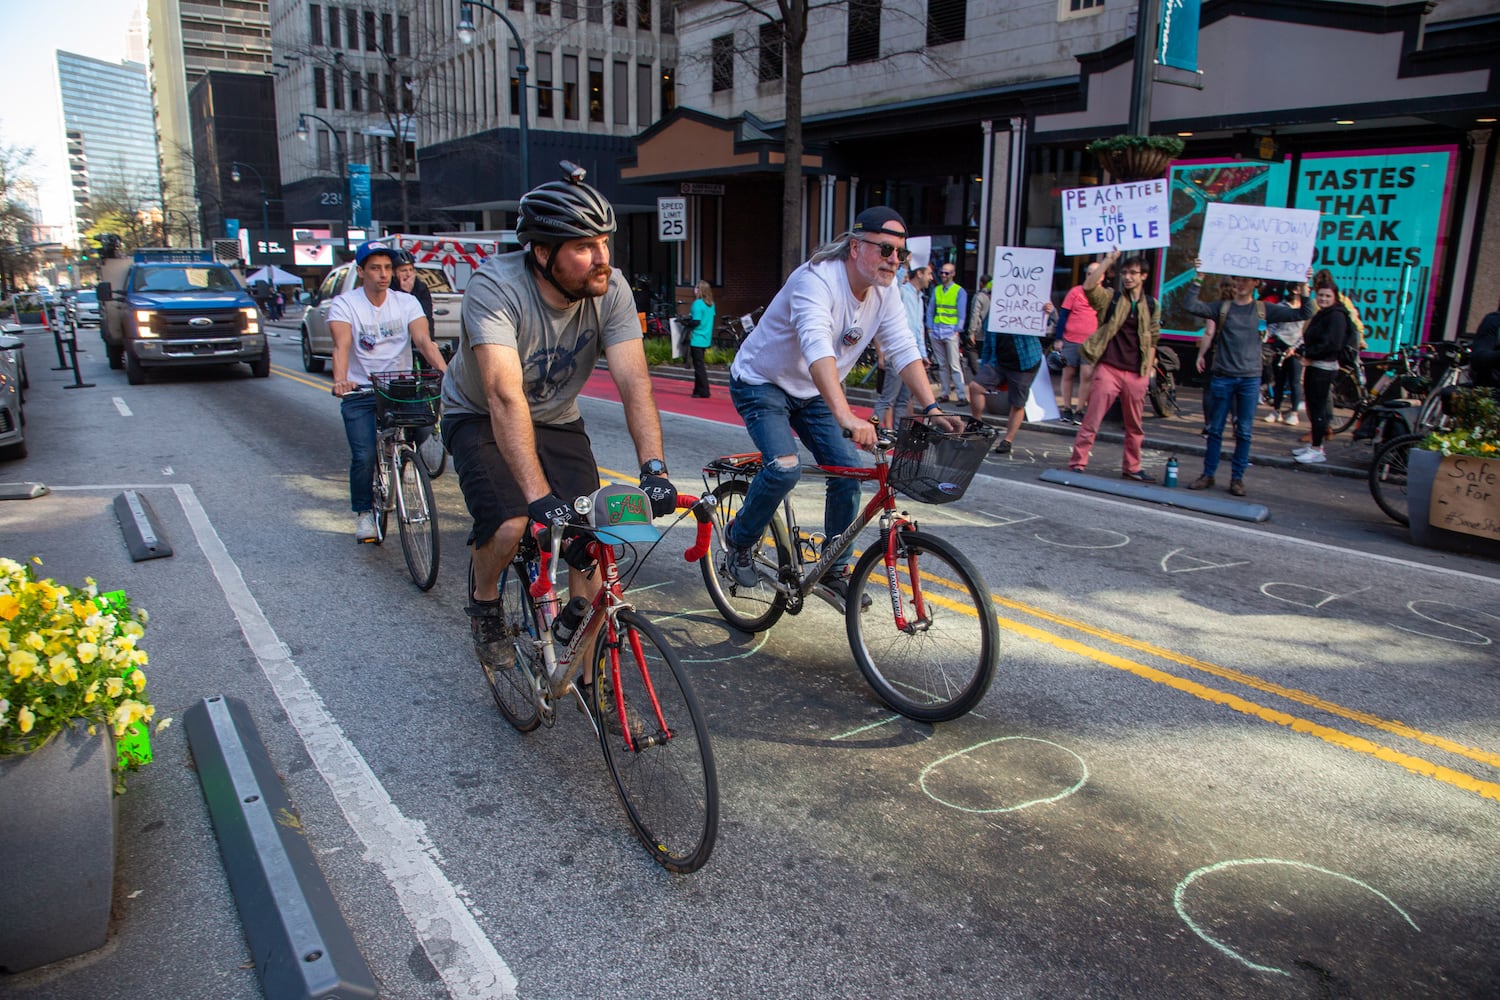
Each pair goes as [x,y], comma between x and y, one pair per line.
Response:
[1022,285]
[1466,496]
[1257,241]
[1132,216]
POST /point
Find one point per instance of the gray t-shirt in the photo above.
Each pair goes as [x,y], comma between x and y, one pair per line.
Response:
[1237,342]
[558,347]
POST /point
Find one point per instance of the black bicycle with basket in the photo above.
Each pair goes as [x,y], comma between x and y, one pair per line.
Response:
[934,658]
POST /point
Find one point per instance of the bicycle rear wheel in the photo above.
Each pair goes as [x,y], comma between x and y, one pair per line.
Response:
[941,664]
[416,517]
[749,609]
[1388,476]
[511,687]
[666,776]
[1349,399]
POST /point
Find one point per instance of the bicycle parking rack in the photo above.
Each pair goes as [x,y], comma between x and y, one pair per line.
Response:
[1172,497]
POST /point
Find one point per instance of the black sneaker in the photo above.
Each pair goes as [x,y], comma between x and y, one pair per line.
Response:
[1003,448]
[973,425]
[487,628]
[838,585]
[739,564]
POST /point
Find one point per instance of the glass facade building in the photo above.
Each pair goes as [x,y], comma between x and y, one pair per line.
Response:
[111,134]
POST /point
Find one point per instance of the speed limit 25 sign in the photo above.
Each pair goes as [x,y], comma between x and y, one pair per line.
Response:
[671,217]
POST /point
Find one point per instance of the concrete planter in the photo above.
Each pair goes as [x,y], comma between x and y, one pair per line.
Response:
[57,849]
[1421,471]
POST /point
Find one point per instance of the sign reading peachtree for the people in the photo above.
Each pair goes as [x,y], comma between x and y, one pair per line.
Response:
[1384,215]
[1021,286]
[1130,216]
[1255,241]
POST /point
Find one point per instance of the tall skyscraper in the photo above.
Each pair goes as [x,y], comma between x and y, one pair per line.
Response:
[111,142]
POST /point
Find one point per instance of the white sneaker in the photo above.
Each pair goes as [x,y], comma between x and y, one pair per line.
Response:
[1301,407]
[1273,417]
[1312,456]
[1299,452]
[364,526]
[1291,418]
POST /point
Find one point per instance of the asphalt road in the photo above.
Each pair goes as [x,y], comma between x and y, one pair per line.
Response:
[1219,760]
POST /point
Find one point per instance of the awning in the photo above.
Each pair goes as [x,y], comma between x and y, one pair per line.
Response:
[273,275]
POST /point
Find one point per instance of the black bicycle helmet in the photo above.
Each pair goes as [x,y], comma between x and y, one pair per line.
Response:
[559,211]
[404,257]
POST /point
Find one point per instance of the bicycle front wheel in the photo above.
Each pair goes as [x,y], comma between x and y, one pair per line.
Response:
[1388,476]
[416,516]
[380,491]
[749,609]
[665,772]
[1349,398]
[511,685]
[940,663]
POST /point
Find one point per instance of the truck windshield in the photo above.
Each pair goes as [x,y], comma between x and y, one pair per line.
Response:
[183,279]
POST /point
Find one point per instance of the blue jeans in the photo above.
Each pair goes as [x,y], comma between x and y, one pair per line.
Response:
[1244,395]
[359,425]
[770,416]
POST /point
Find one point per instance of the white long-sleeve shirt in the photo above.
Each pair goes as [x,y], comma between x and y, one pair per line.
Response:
[815,315]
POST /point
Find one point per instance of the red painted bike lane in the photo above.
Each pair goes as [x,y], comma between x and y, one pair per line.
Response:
[675,395]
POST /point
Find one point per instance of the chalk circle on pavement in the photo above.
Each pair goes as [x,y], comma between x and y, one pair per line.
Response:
[1005,774]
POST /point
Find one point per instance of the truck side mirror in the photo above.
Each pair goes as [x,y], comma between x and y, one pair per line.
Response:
[104,291]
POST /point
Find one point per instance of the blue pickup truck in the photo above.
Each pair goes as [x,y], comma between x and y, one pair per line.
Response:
[167,308]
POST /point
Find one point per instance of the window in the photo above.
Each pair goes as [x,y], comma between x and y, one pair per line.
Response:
[570,10]
[351,27]
[370,40]
[668,90]
[1067,9]
[356,92]
[570,88]
[772,38]
[621,9]
[643,14]
[544,85]
[390,93]
[543,8]
[946,20]
[515,82]
[403,34]
[595,9]
[723,60]
[668,18]
[864,30]
[315,23]
[596,90]
[338,91]
[516,5]
[387,33]
[408,94]
[325,147]
[357,148]
[643,91]
[622,93]
[334,41]
[372,90]
[320,87]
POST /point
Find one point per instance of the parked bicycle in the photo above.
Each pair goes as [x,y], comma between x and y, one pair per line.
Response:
[660,758]
[406,402]
[1387,476]
[1162,389]
[936,658]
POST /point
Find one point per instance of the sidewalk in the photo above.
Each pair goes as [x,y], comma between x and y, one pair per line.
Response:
[1178,434]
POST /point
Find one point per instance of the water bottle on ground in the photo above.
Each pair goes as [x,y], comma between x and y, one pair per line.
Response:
[1170,479]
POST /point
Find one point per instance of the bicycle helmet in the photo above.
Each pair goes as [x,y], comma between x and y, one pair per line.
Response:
[559,211]
[404,257]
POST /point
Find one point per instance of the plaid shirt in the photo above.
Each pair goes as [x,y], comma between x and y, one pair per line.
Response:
[1028,350]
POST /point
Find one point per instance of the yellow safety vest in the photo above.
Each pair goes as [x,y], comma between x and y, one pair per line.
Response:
[946,311]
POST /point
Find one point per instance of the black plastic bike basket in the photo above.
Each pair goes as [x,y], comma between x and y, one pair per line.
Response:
[931,466]
[407,399]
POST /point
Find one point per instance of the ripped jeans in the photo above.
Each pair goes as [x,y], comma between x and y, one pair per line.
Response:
[770,417]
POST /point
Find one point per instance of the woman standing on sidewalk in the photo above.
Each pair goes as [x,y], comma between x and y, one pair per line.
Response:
[1322,345]
[702,336]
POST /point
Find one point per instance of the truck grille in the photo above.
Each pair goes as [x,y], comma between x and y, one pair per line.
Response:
[180,326]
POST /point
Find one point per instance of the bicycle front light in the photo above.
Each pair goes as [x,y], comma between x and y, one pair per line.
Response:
[584,506]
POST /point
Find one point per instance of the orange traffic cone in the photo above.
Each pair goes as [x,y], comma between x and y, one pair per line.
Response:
[45,324]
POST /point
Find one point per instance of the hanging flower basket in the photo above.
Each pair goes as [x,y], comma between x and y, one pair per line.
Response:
[1136,157]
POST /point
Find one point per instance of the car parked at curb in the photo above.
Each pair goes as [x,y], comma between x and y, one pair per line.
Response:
[12,398]
[86,308]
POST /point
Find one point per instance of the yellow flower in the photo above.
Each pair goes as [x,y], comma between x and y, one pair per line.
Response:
[163,724]
[138,679]
[62,670]
[88,652]
[21,663]
[113,687]
[34,640]
[10,606]
[25,719]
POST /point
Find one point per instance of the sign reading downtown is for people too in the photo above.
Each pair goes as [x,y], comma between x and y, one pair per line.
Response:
[1255,241]
[1131,216]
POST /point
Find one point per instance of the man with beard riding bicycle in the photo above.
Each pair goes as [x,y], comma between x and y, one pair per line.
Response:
[534,325]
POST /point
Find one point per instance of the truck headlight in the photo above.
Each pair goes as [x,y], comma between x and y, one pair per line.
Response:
[252,320]
[143,323]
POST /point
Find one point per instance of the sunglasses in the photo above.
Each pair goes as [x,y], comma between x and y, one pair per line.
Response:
[886,249]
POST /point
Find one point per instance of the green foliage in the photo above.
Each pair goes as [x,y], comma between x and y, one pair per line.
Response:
[658,350]
[857,374]
[1475,427]
[1169,144]
[719,355]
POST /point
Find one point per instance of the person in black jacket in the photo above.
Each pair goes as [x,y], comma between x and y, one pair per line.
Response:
[1484,363]
[1323,343]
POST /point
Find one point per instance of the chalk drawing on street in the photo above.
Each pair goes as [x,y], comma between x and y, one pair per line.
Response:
[958,782]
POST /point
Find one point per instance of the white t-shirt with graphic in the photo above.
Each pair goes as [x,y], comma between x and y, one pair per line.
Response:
[382,337]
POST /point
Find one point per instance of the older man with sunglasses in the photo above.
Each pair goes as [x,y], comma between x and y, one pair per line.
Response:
[789,376]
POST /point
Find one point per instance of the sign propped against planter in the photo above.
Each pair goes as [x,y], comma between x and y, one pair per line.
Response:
[1132,216]
[1022,285]
[1257,241]
[1466,496]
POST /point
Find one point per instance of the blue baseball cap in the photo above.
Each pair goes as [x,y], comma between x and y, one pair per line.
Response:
[622,514]
[371,247]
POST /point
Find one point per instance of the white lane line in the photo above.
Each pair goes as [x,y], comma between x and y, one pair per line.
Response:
[120,405]
[455,945]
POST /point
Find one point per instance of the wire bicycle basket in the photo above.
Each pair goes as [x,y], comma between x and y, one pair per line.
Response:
[932,466]
[407,399]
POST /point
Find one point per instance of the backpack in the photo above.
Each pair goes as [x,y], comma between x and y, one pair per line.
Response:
[1349,353]
[1260,313]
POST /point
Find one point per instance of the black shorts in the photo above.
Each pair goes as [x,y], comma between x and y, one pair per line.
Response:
[491,492]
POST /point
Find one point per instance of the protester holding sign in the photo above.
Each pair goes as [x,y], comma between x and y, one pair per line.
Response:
[1123,352]
[1236,344]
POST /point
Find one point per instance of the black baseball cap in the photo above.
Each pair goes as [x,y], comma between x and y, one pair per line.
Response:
[875,219]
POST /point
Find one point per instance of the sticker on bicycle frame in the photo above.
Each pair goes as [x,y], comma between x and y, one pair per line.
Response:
[852,336]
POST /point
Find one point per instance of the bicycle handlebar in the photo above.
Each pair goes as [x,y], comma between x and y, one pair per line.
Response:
[702,508]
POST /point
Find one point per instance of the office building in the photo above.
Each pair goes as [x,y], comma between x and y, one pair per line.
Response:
[111,143]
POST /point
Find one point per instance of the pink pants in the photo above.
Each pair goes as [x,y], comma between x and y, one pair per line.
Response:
[1109,384]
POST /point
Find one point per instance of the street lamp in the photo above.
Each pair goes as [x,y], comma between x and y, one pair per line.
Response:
[265,204]
[466,35]
[338,145]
